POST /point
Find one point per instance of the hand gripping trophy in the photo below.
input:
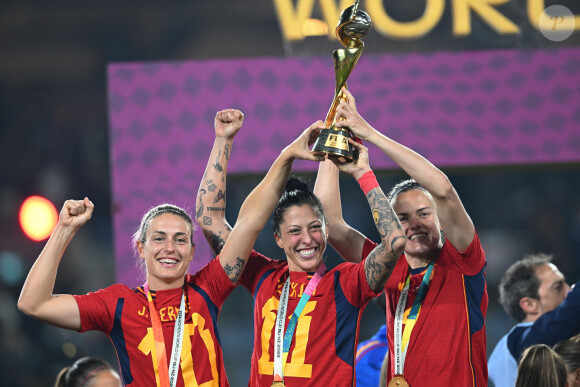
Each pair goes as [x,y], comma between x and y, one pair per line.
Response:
[352,26]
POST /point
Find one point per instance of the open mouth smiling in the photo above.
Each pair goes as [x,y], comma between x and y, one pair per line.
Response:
[167,261]
[417,236]
[307,253]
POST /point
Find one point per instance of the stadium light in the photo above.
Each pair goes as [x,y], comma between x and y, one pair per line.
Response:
[38,217]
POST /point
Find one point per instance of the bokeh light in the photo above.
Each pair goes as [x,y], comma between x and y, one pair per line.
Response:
[38,217]
[11,268]
[69,349]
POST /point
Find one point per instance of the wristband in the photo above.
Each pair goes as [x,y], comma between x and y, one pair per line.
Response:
[356,139]
[368,181]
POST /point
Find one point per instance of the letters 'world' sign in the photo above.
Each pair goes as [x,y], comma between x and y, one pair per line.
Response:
[428,25]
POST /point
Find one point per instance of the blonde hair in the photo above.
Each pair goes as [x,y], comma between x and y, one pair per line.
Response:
[154,212]
[542,367]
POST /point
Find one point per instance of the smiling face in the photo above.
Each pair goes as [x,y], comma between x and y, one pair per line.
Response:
[167,251]
[418,216]
[303,238]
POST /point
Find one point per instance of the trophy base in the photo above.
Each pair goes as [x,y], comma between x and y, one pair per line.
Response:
[333,142]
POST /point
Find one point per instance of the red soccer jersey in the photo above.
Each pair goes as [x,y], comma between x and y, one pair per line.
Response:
[324,344]
[447,344]
[123,314]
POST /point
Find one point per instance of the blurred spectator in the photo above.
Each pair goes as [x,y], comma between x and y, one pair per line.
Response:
[541,367]
[535,293]
[569,351]
[88,372]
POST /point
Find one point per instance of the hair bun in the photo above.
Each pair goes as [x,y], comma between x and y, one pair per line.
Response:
[295,184]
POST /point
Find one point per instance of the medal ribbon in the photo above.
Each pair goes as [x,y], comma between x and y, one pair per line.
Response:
[402,338]
[167,375]
[282,347]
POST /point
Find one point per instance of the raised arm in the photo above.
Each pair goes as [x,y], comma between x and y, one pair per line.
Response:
[260,203]
[455,221]
[380,263]
[36,299]
[347,241]
[210,211]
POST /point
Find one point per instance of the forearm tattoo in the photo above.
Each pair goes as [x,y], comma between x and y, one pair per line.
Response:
[216,209]
[381,261]
[199,210]
[235,271]
[227,152]
[221,195]
[377,270]
[383,215]
[210,185]
[217,166]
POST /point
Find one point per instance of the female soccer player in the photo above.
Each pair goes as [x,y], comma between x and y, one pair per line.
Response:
[305,318]
[164,332]
[436,296]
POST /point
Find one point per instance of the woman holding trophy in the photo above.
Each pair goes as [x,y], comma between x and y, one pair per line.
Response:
[305,318]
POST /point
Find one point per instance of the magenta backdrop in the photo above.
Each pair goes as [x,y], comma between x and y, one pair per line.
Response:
[456,109]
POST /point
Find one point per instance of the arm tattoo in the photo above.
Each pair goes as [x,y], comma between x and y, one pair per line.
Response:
[382,260]
[210,185]
[221,195]
[227,152]
[207,220]
[217,242]
[383,215]
[199,211]
[378,270]
[217,165]
[235,271]
[394,240]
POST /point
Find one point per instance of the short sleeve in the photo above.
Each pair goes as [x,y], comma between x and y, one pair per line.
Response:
[256,266]
[213,278]
[471,261]
[97,308]
[354,284]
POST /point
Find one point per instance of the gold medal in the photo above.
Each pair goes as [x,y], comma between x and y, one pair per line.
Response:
[398,381]
[278,384]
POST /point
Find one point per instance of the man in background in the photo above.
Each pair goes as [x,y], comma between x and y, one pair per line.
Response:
[535,293]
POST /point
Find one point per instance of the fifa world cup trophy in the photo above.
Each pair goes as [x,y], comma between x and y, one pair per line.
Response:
[353,25]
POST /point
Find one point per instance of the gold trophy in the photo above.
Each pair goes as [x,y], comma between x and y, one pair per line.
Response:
[352,26]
